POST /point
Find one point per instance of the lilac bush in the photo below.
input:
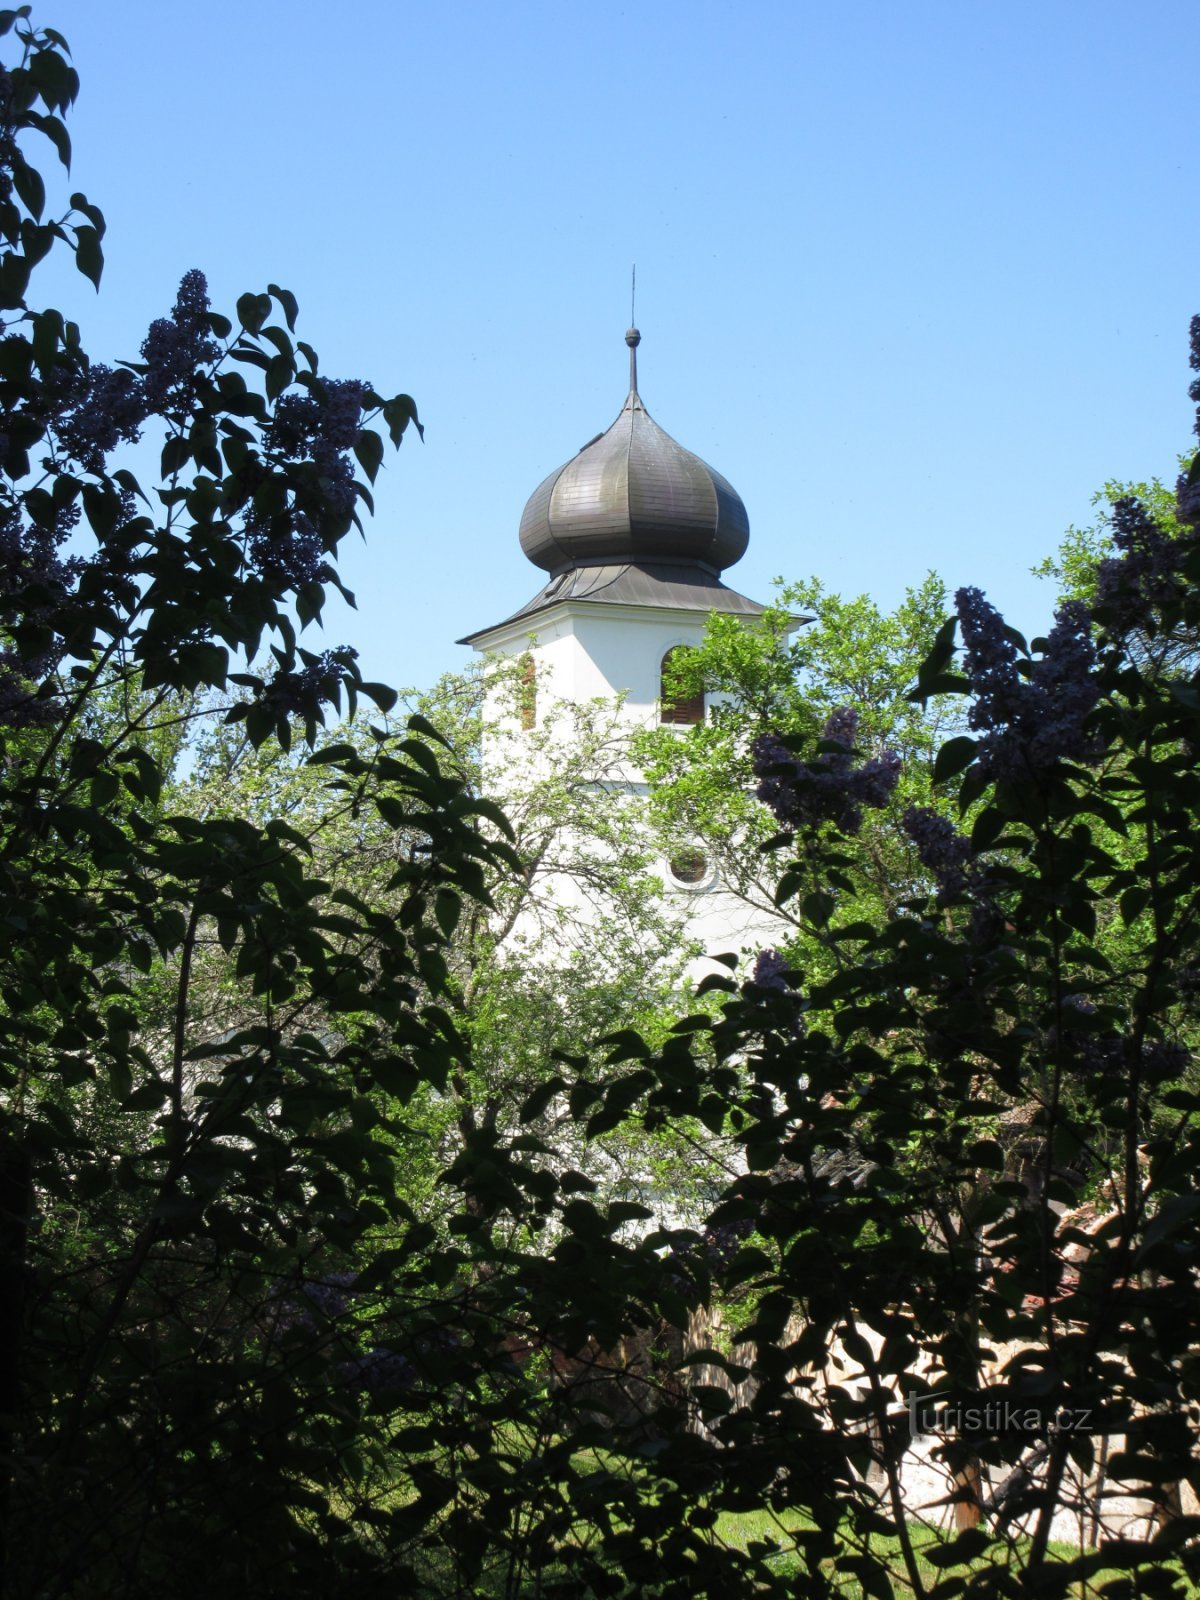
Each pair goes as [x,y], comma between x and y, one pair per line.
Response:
[1188,487]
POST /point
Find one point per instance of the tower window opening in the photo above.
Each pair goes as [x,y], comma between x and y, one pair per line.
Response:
[527,692]
[688,708]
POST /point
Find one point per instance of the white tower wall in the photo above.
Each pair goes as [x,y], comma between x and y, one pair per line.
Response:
[614,654]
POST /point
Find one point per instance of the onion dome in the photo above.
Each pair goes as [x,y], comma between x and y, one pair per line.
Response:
[634,495]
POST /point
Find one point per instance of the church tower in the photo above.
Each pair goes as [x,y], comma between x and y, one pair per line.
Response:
[633,534]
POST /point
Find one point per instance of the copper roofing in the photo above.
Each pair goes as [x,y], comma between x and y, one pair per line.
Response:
[675,586]
[634,494]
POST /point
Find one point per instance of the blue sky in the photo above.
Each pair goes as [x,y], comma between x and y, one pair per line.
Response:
[916,278]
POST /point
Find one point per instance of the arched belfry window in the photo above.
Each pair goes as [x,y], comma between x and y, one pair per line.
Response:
[676,707]
[527,691]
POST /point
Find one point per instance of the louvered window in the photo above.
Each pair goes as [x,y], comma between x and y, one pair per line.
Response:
[527,695]
[678,708]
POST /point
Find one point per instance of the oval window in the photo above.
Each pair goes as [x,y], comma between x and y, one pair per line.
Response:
[689,866]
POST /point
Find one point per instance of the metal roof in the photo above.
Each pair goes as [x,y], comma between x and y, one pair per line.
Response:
[634,495]
[675,586]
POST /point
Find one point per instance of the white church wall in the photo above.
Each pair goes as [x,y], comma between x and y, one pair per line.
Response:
[612,657]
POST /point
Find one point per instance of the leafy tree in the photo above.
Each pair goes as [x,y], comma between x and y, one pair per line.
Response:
[986,1139]
[1088,562]
[231,1332]
[181,1194]
[844,653]
[547,959]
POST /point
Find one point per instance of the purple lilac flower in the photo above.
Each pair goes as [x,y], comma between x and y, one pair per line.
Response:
[21,706]
[288,548]
[723,1240]
[318,428]
[329,1294]
[1080,1005]
[1162,1060]
[294,424]
[1063,690]
[958,872]
[1187,495]
[828,789]
[770,969]
[311,1303]
[8,143]
[381,1370]
[774,790]
[320,422]
[771,972]
[29,553]
[841,728]
[877,779]
[35,585]
[990,661]
[296,693]
[1187,501]
[1146,575]
[177,346]
[110,411]
[341,412]
[988,924]
[940,848]
[1028,725]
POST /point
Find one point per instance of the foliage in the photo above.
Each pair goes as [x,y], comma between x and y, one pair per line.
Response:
[242,1348]
[845,652]
[974,1179]
[546,958]
[1085,554]
[178,1189]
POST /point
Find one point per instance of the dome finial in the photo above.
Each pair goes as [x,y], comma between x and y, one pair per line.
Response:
[633,338]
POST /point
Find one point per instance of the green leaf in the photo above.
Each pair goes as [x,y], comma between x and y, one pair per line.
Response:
[398,413]
[953,757]
[253,311]
[716,980]
[368,447]
[535,1103]
[331,753]
[447,908]
[789,885]
[81,203]
[89,257]
[1133,902]
[287,304]
[969,1544]
[28,183]
[818,907]
[989,825]
[626,1045]
[383,696]
[1176,1213]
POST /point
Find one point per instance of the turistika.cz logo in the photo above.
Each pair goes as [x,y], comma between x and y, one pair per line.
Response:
[929,1415]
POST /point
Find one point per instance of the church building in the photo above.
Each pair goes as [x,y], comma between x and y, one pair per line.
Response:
[633,535]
